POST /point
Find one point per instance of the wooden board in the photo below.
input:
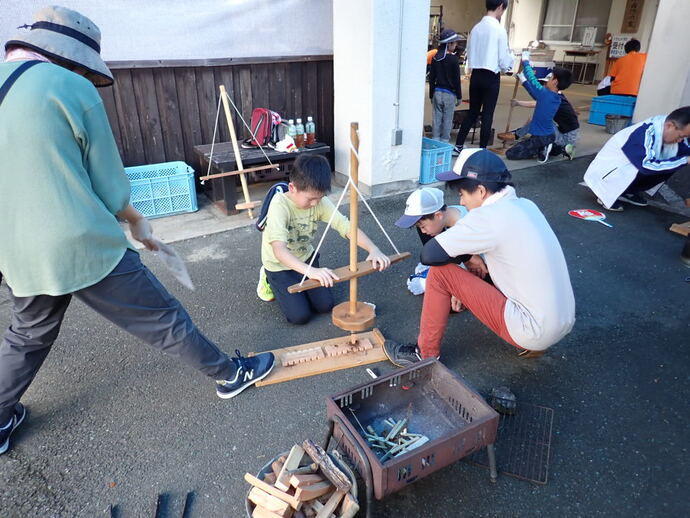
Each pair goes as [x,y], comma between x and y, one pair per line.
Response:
[679,228]
[363,268]
[327,364]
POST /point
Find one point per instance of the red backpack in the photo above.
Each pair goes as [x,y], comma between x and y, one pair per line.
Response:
[264,127]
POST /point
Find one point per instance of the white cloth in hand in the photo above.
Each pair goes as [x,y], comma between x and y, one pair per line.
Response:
[417,283]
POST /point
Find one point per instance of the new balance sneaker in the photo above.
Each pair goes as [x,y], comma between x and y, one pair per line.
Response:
[402,355]
[633,198]
[569,151]
[249,371]
[10,426]
[616,207]
[544,155]
[263,289]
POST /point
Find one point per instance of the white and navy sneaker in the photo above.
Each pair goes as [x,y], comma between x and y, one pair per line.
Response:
[249,371]
[9,427]
[633,198]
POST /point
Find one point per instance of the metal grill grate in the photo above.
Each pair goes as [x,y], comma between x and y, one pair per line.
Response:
[523,444]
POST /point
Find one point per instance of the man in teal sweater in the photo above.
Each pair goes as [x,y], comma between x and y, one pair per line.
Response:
[62,185]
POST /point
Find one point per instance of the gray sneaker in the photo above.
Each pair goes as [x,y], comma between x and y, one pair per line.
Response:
[402,355]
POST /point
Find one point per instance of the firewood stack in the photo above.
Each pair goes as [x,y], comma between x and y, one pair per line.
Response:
[305,484]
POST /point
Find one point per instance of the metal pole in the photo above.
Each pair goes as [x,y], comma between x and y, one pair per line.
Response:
[354,214]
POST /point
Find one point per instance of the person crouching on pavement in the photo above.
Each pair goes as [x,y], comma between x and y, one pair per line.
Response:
[56,142]
[531,303]
[542,135]
[640,158]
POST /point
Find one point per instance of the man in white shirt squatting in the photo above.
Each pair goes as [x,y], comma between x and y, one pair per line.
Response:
[488,55]
[531,304]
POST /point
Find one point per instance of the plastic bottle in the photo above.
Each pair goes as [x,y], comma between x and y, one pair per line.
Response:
[299,138]
[310,129]
[291,130]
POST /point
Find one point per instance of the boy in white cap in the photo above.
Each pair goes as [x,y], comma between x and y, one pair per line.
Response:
[426,210]
[64,187]
[530,304]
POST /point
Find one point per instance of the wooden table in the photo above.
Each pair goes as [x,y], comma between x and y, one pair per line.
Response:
[224,190]
[583,53]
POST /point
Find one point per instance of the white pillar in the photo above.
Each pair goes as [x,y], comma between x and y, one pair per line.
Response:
[366,55]
[666,80]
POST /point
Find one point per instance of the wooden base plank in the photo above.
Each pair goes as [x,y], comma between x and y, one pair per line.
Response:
[681,228]
[280,373]
[344,273]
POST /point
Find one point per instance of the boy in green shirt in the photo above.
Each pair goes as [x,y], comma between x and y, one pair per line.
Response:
[286,245]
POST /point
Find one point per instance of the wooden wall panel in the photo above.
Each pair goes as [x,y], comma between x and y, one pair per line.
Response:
[159,114]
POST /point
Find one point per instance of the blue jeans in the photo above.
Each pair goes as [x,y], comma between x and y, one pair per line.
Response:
[298,308]
[130,297]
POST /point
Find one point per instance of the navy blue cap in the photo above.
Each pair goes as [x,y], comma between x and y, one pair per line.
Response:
[477,164]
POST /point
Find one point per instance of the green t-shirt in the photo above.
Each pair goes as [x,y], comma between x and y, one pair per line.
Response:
[61,182]
[288,223]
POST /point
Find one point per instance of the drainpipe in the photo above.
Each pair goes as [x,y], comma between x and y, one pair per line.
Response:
[397,132]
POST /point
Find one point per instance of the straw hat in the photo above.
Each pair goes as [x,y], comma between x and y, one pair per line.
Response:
[66,35]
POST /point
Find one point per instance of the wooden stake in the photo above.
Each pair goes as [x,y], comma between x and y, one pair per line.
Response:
[515,89]
[236,149]
[354,214]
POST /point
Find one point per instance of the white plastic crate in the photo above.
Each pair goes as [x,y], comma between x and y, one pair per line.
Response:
[162,189]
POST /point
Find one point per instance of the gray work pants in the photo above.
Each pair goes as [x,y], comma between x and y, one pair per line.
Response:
[444,107]
[130,297]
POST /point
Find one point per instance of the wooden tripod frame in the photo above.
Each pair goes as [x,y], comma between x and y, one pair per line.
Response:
[352,315]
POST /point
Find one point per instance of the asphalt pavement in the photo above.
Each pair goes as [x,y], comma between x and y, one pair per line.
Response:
[114,422]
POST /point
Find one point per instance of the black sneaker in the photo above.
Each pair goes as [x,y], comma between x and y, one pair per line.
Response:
[10,426]
[402,355]
[616,207]
[457,150]
[633,198]
[249,371]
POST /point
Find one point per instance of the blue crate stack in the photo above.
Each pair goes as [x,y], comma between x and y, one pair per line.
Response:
[610,105]
[436,157]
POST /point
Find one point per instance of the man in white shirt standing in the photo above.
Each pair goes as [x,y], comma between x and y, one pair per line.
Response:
[530,304]
[488,55]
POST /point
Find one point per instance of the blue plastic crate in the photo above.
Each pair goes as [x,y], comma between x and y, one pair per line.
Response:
[436,157]
[610,105]
[162,189]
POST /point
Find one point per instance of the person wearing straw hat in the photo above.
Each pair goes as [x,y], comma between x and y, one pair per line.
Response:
[444,85]
[62,188]
[530,304]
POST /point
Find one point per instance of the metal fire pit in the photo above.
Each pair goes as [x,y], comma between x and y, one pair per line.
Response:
[435,402]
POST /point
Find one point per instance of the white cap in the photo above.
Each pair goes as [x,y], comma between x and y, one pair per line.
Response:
[421,202]
[309,119]
[291,121]
[299,121]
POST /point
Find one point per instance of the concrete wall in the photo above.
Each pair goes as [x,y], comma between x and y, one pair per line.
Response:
[461,15]
[133,30]
[365,61]
[666,80]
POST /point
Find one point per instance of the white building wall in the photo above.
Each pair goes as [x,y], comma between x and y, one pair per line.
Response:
[135,30]
[366,52]
[666,79]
